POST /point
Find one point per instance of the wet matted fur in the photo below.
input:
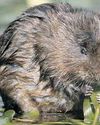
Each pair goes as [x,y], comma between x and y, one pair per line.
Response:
[47,56]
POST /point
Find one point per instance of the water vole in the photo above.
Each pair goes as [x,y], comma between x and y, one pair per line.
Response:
[47,56]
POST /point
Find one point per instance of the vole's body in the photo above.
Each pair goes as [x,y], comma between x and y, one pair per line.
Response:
[47,56]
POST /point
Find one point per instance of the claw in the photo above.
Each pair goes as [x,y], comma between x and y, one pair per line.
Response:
[88,90]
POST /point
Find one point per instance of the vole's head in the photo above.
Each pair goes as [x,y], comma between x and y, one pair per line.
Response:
[85,55]
[72,46]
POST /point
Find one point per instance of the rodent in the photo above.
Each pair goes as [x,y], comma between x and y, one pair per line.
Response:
[47,56]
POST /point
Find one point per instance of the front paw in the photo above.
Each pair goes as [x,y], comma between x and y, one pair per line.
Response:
[88,90]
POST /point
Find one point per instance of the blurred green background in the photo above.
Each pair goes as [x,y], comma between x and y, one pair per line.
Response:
[10,9]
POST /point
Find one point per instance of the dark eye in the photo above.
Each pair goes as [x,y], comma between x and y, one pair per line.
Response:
[84,51]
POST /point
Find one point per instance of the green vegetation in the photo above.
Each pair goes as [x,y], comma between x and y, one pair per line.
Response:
[91,113]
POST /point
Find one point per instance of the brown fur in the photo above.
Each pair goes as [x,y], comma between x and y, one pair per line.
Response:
[47,55]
